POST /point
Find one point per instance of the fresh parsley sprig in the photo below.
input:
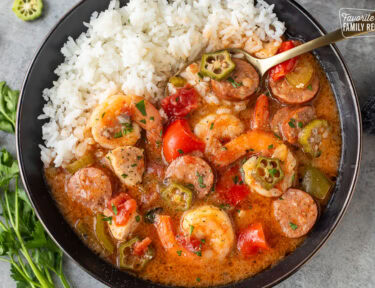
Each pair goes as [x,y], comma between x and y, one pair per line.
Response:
[8,108]
[24,244]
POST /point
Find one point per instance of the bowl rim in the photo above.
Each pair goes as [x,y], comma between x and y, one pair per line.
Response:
[333,227]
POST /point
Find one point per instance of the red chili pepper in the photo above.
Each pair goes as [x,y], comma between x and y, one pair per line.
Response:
[280,70]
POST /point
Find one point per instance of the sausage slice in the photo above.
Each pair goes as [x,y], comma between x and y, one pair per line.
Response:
[246,82]
[192,170]
[288,122]
[288,94]
[295,213]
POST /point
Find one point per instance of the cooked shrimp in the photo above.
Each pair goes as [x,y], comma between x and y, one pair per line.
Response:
[128,164]
[192,170]
[255,141]
[117,121]
[149,119]
[212,224]
[215,129]
[111,124]
[91,187]
[288,167]
[261,49]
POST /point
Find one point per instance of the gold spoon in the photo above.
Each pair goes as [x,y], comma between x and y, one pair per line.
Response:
[263,65]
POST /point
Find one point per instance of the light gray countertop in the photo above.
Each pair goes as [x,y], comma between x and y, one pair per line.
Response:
[348,258]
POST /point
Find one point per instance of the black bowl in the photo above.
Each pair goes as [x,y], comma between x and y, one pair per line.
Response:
[29,135]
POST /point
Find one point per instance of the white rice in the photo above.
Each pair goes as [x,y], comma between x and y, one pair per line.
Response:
[135,49]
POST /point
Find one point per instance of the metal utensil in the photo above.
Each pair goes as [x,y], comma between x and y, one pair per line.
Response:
[263,65]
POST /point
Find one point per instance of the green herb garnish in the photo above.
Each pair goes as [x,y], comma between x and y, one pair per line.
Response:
[141,107]
[191,229]
[180,151]
[234,83]
[179,252]
[309,87]
[114,209]
[137,218]
[200,180]
[8,108]
[270,147]
[292,123]
[293,226]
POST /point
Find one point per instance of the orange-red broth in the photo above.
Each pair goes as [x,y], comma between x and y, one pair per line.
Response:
[181,271]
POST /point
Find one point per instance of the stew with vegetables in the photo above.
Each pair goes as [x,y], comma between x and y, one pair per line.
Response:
[217,181]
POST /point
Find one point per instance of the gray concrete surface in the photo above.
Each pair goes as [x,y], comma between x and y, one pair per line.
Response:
[348,258]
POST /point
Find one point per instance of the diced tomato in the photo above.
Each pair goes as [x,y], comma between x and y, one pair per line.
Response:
[231,187]
[280,70]
[181,103]
[141,247]
[191,244]
[122,206]
[124,211]
[118,200]
[236,194]
[179,140]
[261,113]
[251,240]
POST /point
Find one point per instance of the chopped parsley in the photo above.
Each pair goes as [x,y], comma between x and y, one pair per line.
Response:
[179,252]
[107,219]
[141,107]
[200,180]
[124,175]
[300,124]
[198,253]
[224,206]
[203,241]
[177,99]
[137,218]
[114,209]
[234,83]
[270,147]
[180,151]
[224,148]
[294,176]
[277,136]
[152,118]
[118,135]
[235,179]
[273,171]
[212,126]
[143,121]
[103,115]
[292,123]
[281,198]
[139,157]
[198,279]
[133,165]
[293,226]
[200,75]
[191,229]
[309,87]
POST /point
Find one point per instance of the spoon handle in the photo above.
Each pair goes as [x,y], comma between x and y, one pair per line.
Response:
[327,39]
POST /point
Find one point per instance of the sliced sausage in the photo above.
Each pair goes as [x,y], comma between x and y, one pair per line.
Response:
[192,170]
[91,187]
[295,213]
[288,122]
[288,94]
[128,164]
[245,77]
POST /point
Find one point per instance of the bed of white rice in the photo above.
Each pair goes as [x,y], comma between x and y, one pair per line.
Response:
[135,49]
